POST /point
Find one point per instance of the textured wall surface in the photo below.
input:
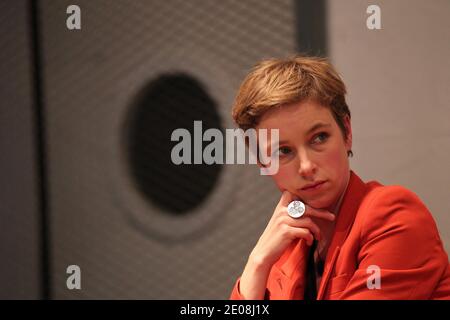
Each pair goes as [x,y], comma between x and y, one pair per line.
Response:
[398,80]
[99,220]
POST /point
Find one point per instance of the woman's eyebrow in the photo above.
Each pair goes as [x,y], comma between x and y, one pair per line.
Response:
[317,126]
[312,129]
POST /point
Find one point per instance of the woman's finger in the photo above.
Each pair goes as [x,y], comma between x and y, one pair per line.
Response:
[304,233]
[319,213]
[286,198]
[304,222]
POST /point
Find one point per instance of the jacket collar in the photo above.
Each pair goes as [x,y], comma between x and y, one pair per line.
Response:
[354,194]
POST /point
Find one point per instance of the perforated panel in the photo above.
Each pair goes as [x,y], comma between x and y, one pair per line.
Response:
[126,245]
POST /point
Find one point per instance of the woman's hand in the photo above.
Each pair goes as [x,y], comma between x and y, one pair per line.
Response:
[282,229]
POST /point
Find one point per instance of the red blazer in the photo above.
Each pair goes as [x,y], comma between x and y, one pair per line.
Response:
[385,226]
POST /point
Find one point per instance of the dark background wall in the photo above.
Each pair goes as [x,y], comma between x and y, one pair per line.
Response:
[20,248]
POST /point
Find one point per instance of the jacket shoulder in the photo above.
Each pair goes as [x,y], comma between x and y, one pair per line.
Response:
[386,209]
[383,201]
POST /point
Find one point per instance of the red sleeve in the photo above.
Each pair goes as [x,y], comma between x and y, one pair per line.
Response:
[236,294]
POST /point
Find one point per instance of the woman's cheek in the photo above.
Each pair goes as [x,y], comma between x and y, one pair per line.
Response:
[337,165]
[337,158]
[282,177]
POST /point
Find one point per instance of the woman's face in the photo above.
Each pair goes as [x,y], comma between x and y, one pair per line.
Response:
[311,149]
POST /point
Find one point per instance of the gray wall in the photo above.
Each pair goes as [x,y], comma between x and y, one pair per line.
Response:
[398,80]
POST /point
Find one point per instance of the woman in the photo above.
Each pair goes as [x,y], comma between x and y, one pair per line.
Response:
[356,240]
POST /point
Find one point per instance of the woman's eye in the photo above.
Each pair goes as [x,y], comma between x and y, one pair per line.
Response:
[282,151]
[320,138]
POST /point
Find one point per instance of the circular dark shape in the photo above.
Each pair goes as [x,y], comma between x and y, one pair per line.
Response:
[169,102]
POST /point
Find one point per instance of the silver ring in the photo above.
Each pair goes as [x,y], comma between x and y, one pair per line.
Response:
[296,209]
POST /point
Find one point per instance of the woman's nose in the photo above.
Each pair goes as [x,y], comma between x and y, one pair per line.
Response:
[306,168]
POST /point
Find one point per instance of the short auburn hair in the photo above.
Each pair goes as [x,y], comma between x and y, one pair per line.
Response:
[277,82]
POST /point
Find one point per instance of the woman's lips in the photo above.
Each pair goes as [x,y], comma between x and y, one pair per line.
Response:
[313,188]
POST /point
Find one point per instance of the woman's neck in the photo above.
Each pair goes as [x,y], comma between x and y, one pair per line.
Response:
[335,208]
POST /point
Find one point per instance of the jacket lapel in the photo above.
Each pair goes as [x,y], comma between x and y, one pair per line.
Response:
[289,272]
[354,194]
